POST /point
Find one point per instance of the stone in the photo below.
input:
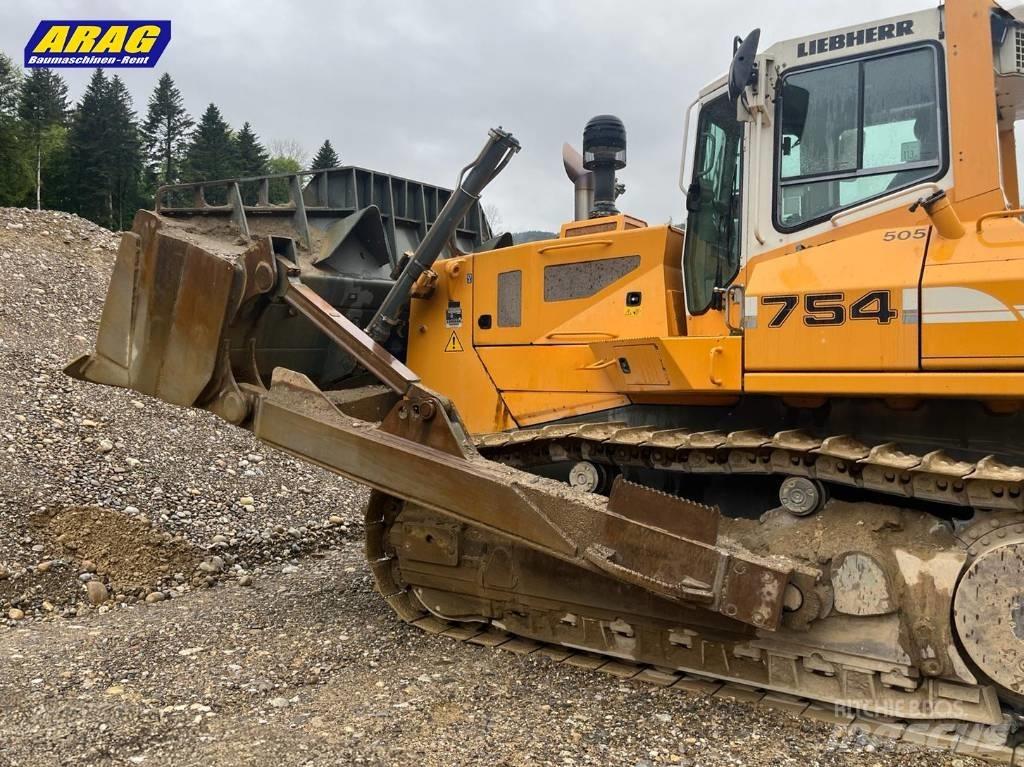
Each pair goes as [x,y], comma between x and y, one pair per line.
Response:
[212,565]
[287,569]
[97,592]
[279,702]
[246,500]
[245,580]
[155,596]
[104,446]
[334,519]
[44,567]
[15,614]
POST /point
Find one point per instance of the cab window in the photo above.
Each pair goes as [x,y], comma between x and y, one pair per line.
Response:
[711,255]
[857,130]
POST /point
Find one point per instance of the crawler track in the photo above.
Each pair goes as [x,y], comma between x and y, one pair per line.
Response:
[623,634]
[835,460]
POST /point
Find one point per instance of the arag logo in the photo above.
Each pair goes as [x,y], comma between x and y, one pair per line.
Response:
[97,43]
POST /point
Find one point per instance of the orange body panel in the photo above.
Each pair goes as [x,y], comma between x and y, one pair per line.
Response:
[679,365]
[532,408]
[546,368]
[933,384]
[846,269]
[458,374]
[972,104]
[972,299]
[599,316]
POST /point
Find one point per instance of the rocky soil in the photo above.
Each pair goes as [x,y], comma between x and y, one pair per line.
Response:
[172,592]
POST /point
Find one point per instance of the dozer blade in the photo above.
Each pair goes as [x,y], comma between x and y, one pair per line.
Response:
[164,317]
[178,323]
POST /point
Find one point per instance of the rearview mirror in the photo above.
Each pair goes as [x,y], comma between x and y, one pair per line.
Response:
[741,70]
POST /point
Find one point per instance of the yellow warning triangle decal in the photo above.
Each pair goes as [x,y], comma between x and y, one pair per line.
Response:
[454,344]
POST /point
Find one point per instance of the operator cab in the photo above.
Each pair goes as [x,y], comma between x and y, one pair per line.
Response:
[848,129]
[832,122]
[812,128]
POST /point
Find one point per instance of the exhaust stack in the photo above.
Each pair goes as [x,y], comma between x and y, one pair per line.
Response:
[583,182]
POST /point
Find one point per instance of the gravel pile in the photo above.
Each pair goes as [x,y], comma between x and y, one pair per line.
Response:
[184,479]
[117,513]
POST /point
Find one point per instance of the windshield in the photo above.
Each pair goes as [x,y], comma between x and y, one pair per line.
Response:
[711,256]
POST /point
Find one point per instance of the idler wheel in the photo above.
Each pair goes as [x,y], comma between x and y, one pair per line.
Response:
[988,608]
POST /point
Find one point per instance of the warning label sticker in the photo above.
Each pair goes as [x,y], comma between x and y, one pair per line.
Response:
[454,344]
[453,315]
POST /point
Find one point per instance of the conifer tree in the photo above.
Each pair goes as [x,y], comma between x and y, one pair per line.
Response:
[10,86]
[252,156]
[105,154]
[88,150]
[125,160]
[15,180]
[43,109]
[212,153]
[166,131]
[326,157]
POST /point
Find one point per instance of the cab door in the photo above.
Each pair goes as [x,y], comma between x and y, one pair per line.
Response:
[850,304]
[714,204]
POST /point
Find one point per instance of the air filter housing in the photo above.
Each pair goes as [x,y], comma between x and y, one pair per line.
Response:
[604,152]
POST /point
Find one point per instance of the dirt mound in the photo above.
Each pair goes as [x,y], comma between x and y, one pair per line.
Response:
[125,550]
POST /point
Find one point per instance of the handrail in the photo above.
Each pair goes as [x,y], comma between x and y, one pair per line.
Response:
[686,137]
[926,186]
[998,214]
[574,244]
[756,207]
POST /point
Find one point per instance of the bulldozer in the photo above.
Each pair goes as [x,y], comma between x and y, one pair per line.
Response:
[778,446]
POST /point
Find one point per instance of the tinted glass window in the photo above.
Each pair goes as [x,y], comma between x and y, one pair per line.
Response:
[853,131]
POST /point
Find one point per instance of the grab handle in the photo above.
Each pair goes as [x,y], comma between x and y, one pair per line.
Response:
[579,244]
[998,214]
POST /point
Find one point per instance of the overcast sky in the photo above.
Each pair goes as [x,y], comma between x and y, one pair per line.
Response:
[410,88]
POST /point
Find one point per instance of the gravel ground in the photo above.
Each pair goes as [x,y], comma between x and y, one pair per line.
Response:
[174,593]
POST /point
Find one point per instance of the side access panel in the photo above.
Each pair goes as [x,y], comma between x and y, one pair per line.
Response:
[849,304]
[972,299]
[578,290]
[441,348]
[674,365]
